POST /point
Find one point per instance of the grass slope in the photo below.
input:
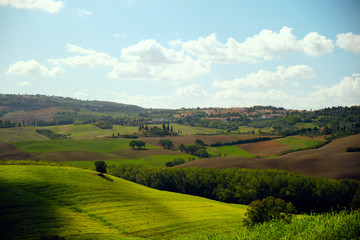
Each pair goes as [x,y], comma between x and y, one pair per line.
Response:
[299,143]
[19,134]
[78,204]
[327,226]
[83,153]
[232,150]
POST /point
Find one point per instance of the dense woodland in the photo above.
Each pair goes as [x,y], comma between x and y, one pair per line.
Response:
[243,186]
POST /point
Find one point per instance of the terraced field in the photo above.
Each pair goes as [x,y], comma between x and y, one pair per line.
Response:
[38,201]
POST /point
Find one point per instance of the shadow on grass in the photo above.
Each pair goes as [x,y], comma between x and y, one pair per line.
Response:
[139,149]
[105,177]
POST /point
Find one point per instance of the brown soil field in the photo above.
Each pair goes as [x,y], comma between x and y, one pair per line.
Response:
[9,152]
[329,161]
[208,139]
[89,156]
[266,148]
[45,114]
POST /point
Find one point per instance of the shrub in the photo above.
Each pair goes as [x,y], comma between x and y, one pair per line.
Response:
[267,210]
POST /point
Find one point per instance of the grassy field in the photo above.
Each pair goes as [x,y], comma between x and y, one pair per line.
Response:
[89,131]
[326,226]
[246,129]
[100,145]
[79,204]
[299,143]
[149,161]
[84,153]
[19,134]
[232,150]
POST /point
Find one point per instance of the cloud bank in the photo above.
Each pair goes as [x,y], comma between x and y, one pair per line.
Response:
[45,5]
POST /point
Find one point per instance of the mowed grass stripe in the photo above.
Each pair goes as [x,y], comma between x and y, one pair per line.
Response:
[79,204]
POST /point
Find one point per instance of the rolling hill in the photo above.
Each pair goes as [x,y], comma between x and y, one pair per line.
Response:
[38,201]
[329,161]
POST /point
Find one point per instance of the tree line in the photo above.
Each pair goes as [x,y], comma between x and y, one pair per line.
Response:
[243,186]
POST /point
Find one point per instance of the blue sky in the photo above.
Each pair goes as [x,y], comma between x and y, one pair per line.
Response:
[173,54]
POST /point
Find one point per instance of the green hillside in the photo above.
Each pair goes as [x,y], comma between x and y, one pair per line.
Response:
[74,203]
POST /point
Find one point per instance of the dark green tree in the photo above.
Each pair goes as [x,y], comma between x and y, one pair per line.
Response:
[137,143]
[182,147]
[268,209]
[100,166]
[166,143]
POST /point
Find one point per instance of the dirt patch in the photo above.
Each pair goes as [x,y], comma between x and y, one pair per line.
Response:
[208,139]
[329,161]
[10,152]
[266,148]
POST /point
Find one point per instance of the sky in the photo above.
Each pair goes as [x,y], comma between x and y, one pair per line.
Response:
[300,54]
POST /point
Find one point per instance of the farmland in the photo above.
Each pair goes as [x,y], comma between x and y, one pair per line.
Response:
[330,161]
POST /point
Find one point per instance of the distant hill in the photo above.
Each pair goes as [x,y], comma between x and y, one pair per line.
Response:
[28,109]
[329,161]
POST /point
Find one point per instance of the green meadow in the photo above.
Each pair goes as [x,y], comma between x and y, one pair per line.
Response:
[97,145]
[232,150]
[48,201]
[299,143]
[89,131]
[20,134]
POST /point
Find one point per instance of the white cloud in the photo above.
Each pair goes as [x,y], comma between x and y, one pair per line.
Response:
[314,44]
[81,94]
[267,79]
[144,101]
[34,67]
[46,5]
[152,53]
[266,45]
[344,93]
[23,84]
[89,58]
[193,90]
[83,12]
[349,42]
[149,60]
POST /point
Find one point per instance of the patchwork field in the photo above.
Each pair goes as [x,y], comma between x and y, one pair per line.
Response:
[277,146]
[329,161]
[39,201]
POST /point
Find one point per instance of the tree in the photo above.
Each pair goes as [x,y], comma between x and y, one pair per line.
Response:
[200,142]
[268,209]
[137,143]
[100,167]
[182,147]
[166,143]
